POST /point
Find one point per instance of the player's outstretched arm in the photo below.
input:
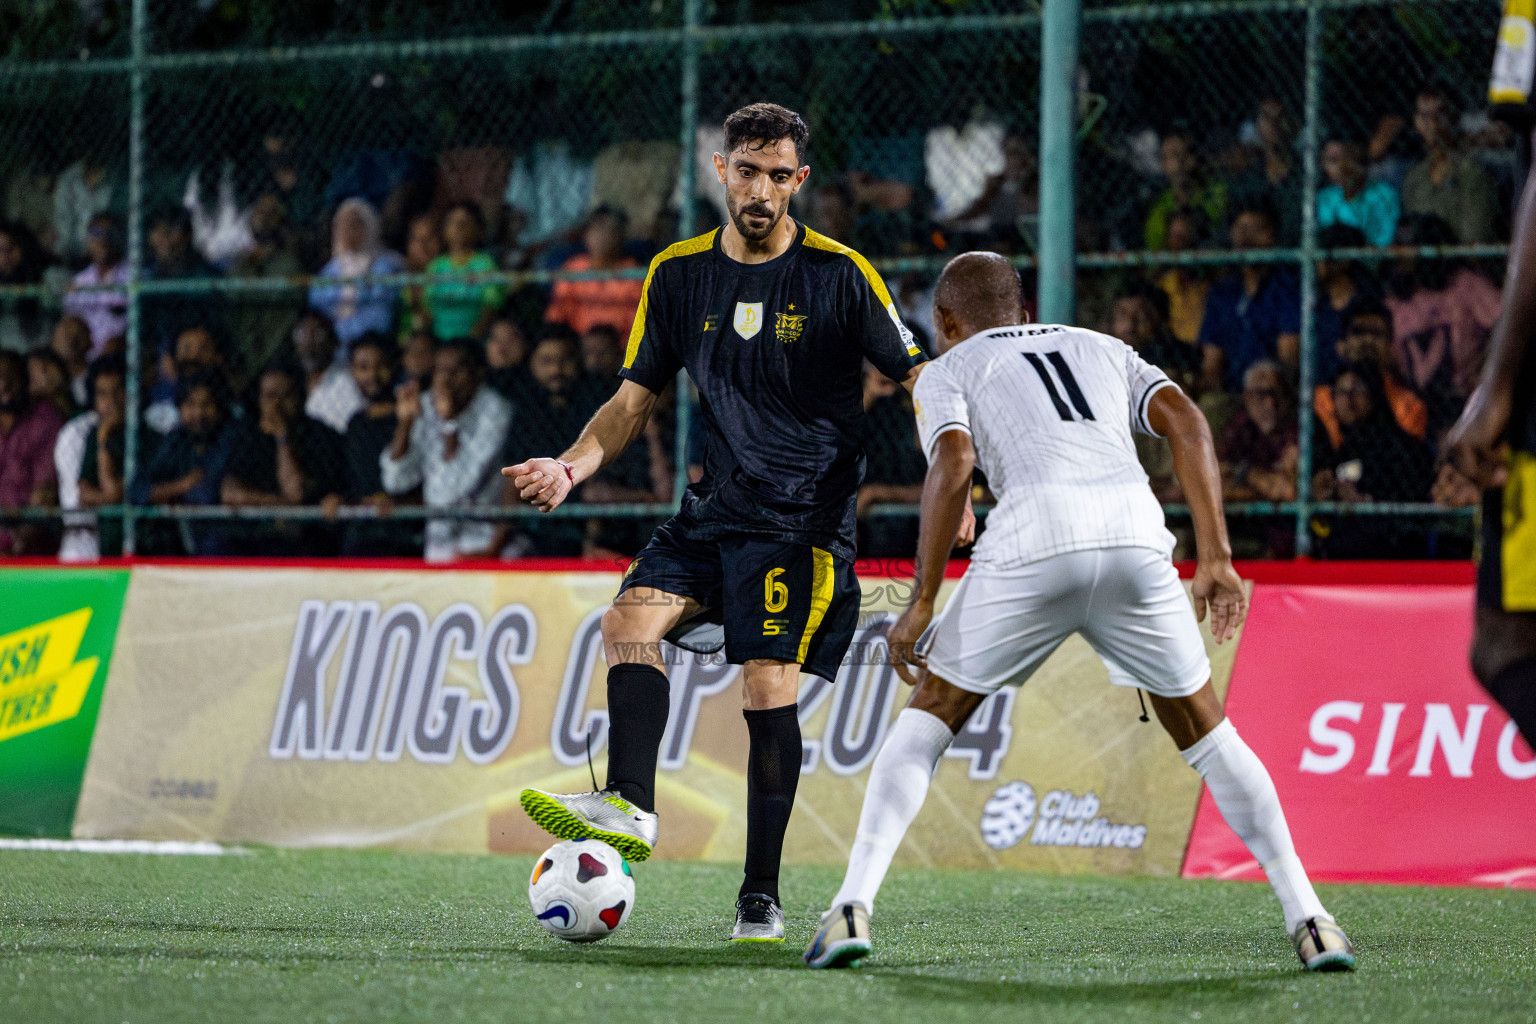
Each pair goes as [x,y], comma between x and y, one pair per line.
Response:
[945,491]
[544,482]
[1475,445]
[1216,584]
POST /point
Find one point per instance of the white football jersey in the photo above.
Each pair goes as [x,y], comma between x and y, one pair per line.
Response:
[1050,410]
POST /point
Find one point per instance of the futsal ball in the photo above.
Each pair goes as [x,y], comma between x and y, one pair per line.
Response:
[581,890]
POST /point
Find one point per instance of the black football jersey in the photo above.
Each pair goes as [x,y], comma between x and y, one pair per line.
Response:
[776,351]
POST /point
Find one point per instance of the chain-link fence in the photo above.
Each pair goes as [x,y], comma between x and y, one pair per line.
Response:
[242,227]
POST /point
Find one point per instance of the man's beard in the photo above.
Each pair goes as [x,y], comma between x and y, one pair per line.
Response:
[752,234]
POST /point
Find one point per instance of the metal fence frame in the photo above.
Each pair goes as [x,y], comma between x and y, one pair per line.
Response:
[1060,22]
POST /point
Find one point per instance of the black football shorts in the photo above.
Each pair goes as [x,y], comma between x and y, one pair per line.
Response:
[776,599]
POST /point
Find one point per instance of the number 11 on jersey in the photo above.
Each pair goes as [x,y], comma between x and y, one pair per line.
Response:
[1069,382]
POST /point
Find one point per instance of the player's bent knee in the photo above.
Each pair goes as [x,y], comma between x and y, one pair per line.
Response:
[618,624]
[769,683]
[1500,639]
[945,701]
[631,636]
[1189,719]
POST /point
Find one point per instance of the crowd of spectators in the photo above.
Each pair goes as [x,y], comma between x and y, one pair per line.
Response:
[358,394]
[1400,337]
[354,396]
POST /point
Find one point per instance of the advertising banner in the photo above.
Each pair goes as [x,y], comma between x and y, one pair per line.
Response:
[1392,764]
[305,707]
[56,633]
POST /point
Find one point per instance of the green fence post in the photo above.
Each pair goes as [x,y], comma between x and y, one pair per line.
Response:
[1058,100]
[693,17]
[1312,103]
[138,28]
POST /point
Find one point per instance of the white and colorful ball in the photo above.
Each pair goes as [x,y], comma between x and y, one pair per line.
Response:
[581,890]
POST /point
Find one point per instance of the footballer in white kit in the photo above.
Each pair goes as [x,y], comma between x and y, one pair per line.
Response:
[1077,541]
[1076,544]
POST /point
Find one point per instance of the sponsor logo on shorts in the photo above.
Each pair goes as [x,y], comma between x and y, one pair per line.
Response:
[1060,818]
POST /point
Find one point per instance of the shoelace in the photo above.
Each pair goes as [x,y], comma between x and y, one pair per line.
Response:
[592,771]
[755,910]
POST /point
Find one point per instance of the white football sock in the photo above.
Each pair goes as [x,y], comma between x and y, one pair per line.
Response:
[1246,797]
[898,785]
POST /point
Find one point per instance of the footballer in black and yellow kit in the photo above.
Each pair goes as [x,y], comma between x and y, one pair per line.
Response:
[766,538]
[1492,447]
[773,323]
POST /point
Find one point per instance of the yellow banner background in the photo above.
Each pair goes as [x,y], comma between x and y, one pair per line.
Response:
[185,747]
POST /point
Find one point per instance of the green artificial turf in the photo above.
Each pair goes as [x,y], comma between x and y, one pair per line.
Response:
[382,937]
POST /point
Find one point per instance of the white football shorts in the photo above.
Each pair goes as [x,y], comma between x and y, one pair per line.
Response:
[1000,625]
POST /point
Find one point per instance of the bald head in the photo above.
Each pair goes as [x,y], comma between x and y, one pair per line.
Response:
[977,291]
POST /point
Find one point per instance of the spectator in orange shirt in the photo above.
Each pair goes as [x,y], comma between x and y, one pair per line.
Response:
[582,305]
[1366,347]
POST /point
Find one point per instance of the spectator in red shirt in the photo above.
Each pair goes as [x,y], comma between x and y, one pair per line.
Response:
[582,305]
[28,430]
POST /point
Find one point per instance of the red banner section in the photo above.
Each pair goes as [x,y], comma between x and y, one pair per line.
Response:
[1393,765]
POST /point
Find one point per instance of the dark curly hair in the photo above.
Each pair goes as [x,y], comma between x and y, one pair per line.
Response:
[761,124]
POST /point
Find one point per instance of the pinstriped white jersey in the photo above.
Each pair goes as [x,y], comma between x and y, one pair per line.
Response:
[1050,410]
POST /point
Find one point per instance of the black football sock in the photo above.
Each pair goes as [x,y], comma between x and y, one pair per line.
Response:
[638,702]
[1515,690]
[773,772]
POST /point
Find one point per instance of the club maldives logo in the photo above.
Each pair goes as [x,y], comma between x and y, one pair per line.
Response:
[1061,818]
[41,683]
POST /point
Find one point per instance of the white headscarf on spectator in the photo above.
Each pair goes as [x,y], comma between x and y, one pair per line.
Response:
[354,262]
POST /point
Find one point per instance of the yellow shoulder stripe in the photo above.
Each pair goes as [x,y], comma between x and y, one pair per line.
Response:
[685,248]
[816,241]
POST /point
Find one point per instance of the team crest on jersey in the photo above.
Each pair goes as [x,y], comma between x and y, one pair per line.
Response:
[749,319]
[789,327]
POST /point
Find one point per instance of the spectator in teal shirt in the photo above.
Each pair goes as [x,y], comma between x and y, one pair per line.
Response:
[1351,200]
[462,309]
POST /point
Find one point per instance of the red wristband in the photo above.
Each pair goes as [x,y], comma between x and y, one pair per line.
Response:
[568,474]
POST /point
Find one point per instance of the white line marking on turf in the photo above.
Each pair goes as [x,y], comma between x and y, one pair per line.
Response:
[197,849]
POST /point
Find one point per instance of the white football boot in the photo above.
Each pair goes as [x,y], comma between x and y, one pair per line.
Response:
[605,816]
[1322,946]
[842,937]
